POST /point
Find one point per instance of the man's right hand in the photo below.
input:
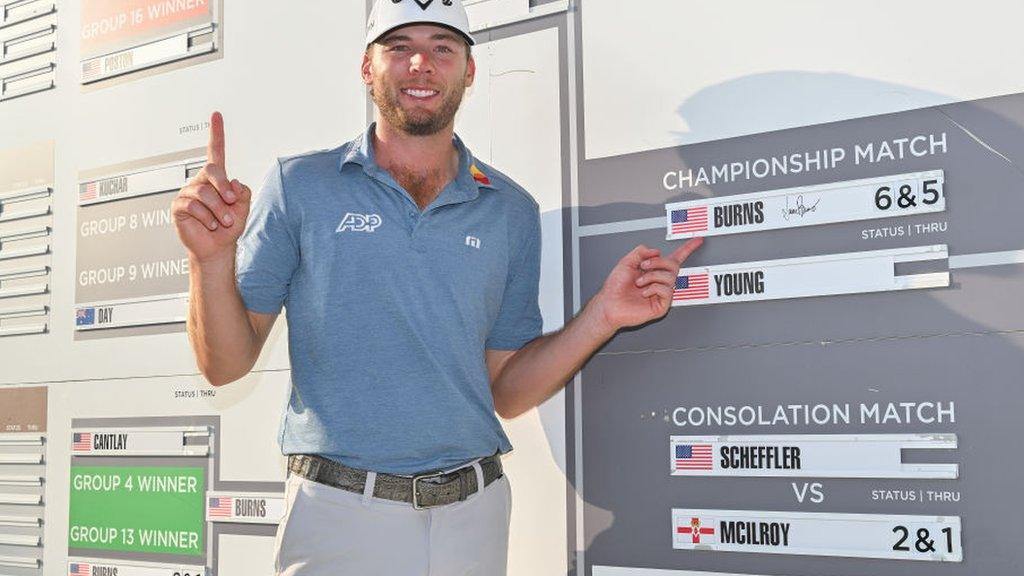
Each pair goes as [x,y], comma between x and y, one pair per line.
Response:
[210,211]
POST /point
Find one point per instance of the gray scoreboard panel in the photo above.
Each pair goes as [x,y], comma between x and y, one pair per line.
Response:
[132,270]
[26,226]
[761,428]
[210,481]
[125,39]
[23,461]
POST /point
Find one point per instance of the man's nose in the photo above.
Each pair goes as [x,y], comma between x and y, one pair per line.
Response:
[421,62]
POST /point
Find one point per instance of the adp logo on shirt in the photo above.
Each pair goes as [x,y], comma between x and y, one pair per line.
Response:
[353,222]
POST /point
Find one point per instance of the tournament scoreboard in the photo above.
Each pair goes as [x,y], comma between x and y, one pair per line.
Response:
[822,396]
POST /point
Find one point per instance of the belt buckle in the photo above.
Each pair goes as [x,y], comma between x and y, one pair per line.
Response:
[415,492]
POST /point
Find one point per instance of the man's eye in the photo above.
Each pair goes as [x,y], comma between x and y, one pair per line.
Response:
[444,49]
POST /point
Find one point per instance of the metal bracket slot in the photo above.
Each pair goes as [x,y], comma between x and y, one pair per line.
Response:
[28,83]
[28,65]
[21,440]
[26,45]
[21,480]
[23,330]
[21,500]
[21,521]
[30,290]
[201,41]
[15,562]
[8,313]
[24,214]
[23,273]
[25,195]
[24,253]
[21,458]
[24,234]
[12,13]
[15,540]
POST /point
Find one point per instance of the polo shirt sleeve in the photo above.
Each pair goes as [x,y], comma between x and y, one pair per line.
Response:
[519,320]
[268,251]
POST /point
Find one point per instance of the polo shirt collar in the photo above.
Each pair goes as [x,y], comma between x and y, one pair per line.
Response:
[465,187]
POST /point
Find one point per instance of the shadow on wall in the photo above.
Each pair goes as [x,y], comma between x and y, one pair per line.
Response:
[760,103]
[788,99]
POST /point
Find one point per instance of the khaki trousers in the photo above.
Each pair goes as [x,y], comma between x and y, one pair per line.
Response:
[327,531]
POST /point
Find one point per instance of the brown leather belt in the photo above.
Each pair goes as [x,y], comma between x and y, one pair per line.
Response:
[422,491]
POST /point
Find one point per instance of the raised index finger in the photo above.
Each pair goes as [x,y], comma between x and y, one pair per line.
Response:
[683,252]
[215,149]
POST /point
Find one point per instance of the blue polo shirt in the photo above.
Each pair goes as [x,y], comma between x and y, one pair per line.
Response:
[391,308]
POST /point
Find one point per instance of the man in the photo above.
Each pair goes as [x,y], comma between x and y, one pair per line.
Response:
[410,274]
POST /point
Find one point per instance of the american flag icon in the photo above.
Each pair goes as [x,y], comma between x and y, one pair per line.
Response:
[219,507]
[692,287]
[692,457]
[81,442]
[87,191]
[78,569]
[690,220]
[91,68]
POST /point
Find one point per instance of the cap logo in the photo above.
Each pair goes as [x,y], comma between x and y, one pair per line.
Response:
[424,4]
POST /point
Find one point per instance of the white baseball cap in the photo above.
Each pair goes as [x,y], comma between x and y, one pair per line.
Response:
[390,14]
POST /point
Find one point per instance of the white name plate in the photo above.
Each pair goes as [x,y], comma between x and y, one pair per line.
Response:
[249,508]
[140,441]
[885,197]
[829,275]
[898,537]
[109,568]
[812,455]
[165,310]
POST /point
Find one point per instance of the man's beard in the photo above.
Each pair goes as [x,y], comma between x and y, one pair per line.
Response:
[416,122]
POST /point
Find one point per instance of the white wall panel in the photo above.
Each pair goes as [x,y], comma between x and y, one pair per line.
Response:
[511,119]
[662,73]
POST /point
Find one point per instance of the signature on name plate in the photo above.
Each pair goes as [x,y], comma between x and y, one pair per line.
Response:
[799,209]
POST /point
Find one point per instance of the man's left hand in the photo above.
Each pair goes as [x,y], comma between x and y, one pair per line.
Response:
[640,287]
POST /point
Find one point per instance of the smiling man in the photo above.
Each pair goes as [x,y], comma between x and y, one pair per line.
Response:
[410,274]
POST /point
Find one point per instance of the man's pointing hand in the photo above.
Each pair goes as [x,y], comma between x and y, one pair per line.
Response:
[640,287]
[211,210]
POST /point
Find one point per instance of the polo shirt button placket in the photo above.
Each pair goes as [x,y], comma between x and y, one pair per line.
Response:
[415,237]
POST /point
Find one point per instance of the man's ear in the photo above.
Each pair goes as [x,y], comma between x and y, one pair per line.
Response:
[470,71]
[366,70]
